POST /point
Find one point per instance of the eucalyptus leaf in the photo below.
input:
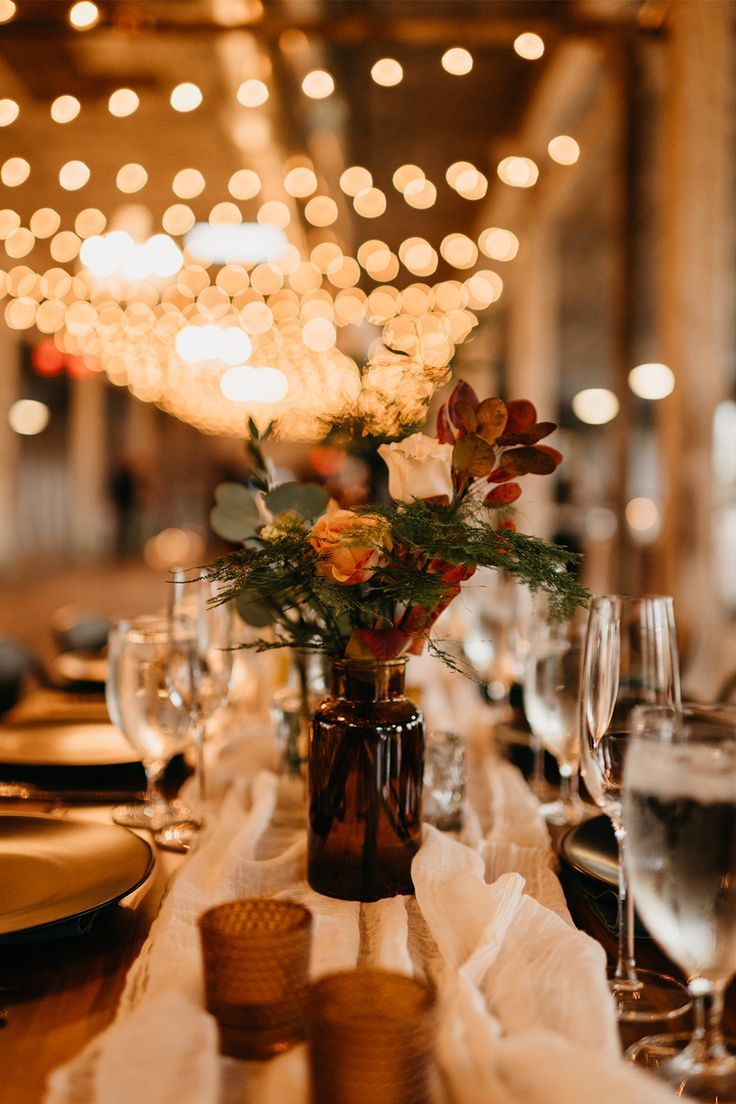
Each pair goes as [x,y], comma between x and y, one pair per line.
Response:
[254,613]
[308,499]
[239,496]
[228,522]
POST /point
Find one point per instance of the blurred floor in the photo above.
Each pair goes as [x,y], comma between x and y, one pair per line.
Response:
[30,597]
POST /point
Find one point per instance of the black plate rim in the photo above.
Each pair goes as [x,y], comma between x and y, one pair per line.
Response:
[150,864]
[573,862]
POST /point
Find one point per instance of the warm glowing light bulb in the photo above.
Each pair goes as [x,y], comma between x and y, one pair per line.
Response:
[131,178]
[7,10]
[300,182]
[44,222]
[65,108]
[595,405]
[355,179]
[244,184]
[563,149]
[498,244]
[124,101]
[518,172]
[252,93]
[9,111]
[15,171]
[457,61]
[642,515]
[318,84]
[243,383]
[74,175]
[186,97]
[28,417]
[84,15]
[188,183]
[529,46]
[652,381]
[387,72]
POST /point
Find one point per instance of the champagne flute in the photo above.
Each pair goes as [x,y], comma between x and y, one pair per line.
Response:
[199,680]
[551,704]
[140,704]
[630,659]
[680,817]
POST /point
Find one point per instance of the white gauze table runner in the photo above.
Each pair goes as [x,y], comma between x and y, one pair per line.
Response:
[525,1015]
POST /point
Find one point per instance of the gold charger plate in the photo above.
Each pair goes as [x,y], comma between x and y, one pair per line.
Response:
[54,870]
[44,743]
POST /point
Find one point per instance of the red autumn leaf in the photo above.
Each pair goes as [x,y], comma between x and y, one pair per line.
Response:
[522,415]
[473,456]
[462,393]
[464,417]
[498,475]
[527,461]
[553,452]
[445,433]
[528,436]
[492,417]
[379,644]
[503,495]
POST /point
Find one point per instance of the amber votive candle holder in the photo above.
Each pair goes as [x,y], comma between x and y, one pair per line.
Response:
[256,974]
[371,1038]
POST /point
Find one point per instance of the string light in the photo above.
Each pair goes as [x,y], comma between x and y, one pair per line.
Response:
[318,84]
[65,108]
[457,61]
[74,175]
[188,183]
[186,97]
[84,15]
[7,10]
[595,405]
[123,102]
[529,46]
[652,381]
[131,178]
[14,172]
[518,172]
[563,149]
[252,93]
[28,417]
[387,72]
[9,112]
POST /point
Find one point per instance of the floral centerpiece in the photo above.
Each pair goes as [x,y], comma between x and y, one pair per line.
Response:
[366,586]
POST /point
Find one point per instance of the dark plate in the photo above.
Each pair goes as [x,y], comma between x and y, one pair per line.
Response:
[590,848]
[54,871]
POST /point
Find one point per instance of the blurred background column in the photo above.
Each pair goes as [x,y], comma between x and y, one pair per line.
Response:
[88,464]
[697,311]
[9,445]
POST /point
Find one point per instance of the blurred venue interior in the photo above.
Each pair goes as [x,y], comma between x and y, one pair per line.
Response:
[215,210]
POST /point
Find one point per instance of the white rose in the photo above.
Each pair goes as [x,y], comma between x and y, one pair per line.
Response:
[418,467]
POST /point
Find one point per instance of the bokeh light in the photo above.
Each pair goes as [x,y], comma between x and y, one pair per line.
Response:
[84,15]
[387,72]
[318,84]
[186,97]
[457,61]
[563,149]
[65,108]
[529,46]
[652,381]
[28,417]
[122,102]
[595,405]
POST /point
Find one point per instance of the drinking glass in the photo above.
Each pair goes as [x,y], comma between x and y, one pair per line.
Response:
[551,704]
[199,679]
[139,702]
[630,659]
[680,817]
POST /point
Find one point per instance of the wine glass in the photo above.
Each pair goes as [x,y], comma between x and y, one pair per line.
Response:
[630,659]
[680,817]
[199,679]
[551,704]
[140,703]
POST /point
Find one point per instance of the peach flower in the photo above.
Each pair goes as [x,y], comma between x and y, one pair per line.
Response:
[350,546]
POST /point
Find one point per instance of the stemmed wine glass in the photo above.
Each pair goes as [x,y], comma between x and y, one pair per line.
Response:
[139,702]
[199,679]
[551,704]
[630,659]
[680,817]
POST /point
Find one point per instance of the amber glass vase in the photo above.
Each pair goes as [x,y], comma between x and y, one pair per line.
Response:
[366,766]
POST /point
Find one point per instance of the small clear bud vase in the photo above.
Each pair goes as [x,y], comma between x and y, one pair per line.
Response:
[365,772]
[291,714]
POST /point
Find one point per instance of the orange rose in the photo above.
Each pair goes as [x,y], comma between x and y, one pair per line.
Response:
[350,546]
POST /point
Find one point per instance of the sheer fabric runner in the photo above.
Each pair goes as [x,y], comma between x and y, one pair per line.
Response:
[525,1013]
